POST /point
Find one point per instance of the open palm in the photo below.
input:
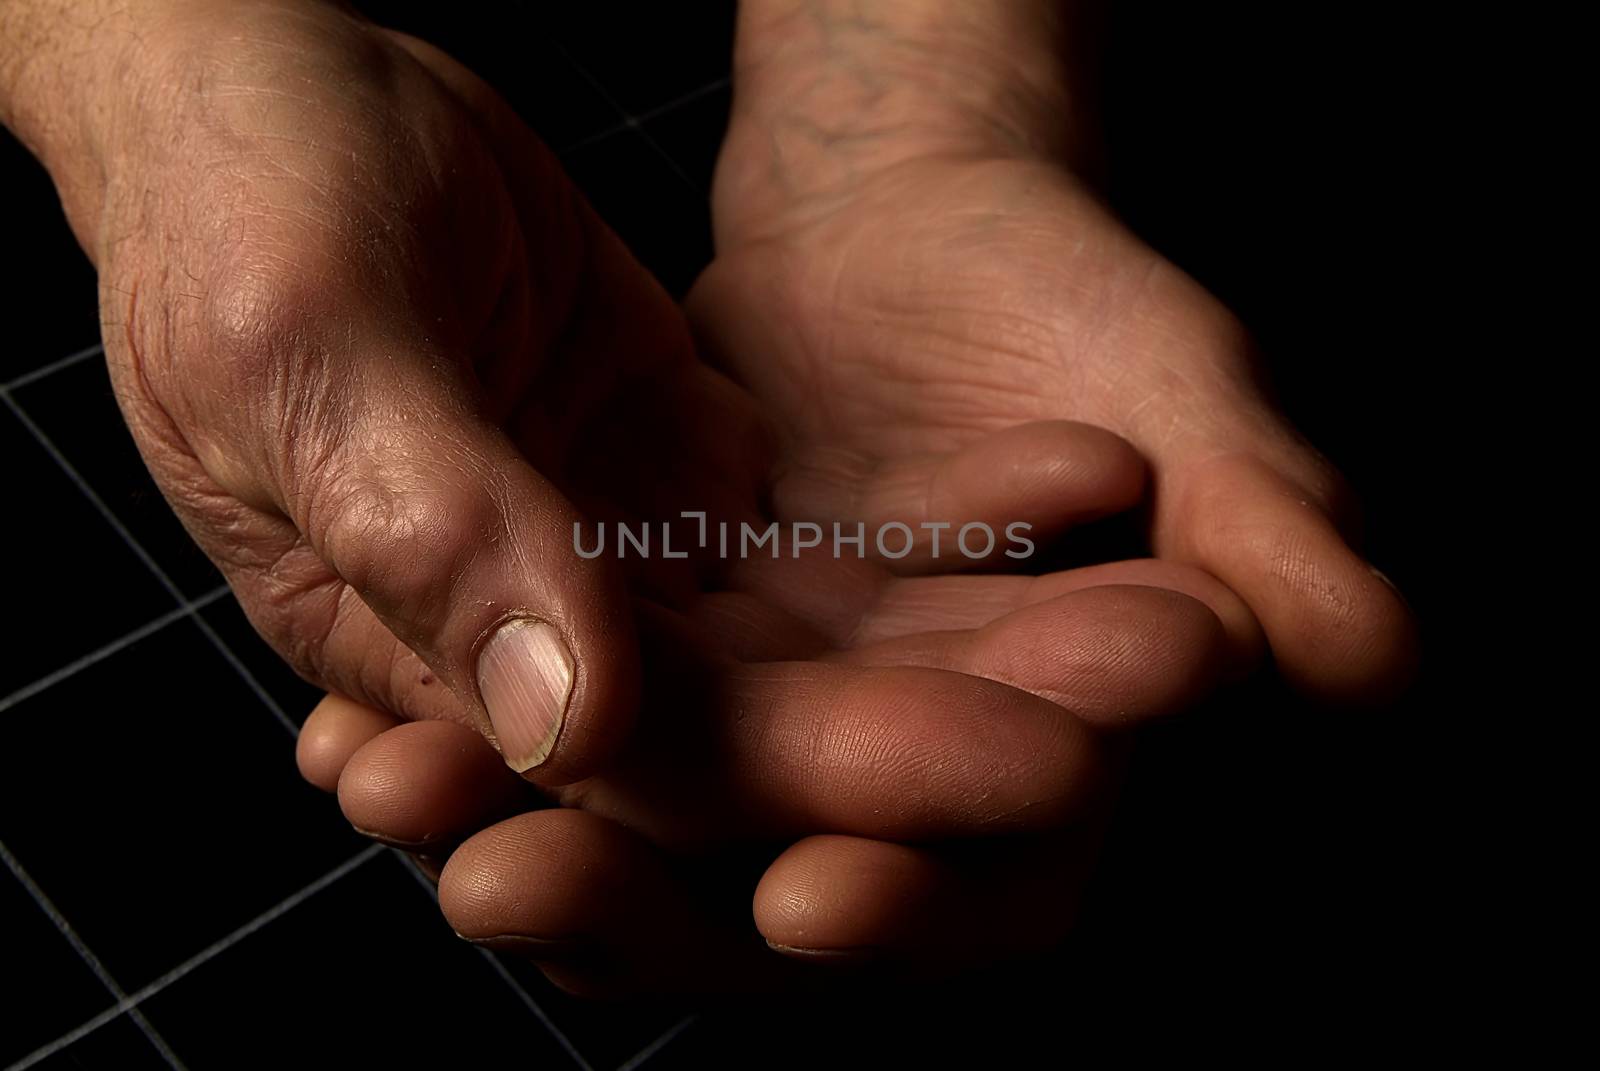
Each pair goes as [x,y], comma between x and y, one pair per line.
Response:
[921,335]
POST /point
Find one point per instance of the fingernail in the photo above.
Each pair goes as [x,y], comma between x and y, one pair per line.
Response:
[390,842]
[830,956]
[1381,575]
[536,948]
[525,679]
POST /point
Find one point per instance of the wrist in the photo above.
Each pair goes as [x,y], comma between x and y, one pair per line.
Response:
[824,96]
[57,58]
[93,87]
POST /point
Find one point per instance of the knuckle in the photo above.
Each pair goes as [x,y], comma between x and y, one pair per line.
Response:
[327,635]
[296,605]
[261,347]
[398,541]
[254,319]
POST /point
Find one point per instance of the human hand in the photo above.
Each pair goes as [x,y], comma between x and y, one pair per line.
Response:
[913,276]
[753,827]
[406,784]
[372,345]
[878,760]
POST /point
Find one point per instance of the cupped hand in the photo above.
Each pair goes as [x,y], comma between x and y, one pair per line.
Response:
[919,323]
[915,778]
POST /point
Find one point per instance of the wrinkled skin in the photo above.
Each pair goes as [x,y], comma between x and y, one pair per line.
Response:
[333,424]
[361,449]
[934,301]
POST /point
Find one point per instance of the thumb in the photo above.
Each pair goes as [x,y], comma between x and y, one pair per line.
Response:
[1274,532]
[465,553]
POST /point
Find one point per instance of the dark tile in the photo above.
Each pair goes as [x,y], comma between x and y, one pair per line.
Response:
[156,802]
[692,133]
[49,303]
[889,1024]
[664,220]
[644,55]
[78,411]
[365,971]
[733,1036]
[608,1033]
[528,69]
[52,989]
[295,696]
[73,584]
[117,1046]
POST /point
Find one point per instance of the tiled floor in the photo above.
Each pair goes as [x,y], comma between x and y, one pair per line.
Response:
[157,911]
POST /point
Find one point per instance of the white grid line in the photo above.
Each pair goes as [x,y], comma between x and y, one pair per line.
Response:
[53,367]
[636,122]
[500,969]
[640,1058]
[129,1003]
[144,556]
[100,654]
[222,648]
[534,1006]
[633,122]
[89,959]
[249,678]
[71,1037]
[634,1062]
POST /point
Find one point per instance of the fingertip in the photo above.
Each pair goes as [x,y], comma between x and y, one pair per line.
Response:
[425,784]
[984,500]
[467,554]
[550,875]
[1246,643]
[1061,472]
[558,689]
[1373,650]
[843,896]
[1339,632]
[596,704]
[900,751]
[335,730]
[1115,656]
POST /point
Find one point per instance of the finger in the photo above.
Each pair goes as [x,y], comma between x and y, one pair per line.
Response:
[633,314]
[922,604]
[599,909]
[782,749]
[436,526]
[426,785]
[335,730]
[369,436]
[829,604]
[1113,656]
[1337,628]
[750,629]
[787,748]
[858,901]
[418,504]
[984,500]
